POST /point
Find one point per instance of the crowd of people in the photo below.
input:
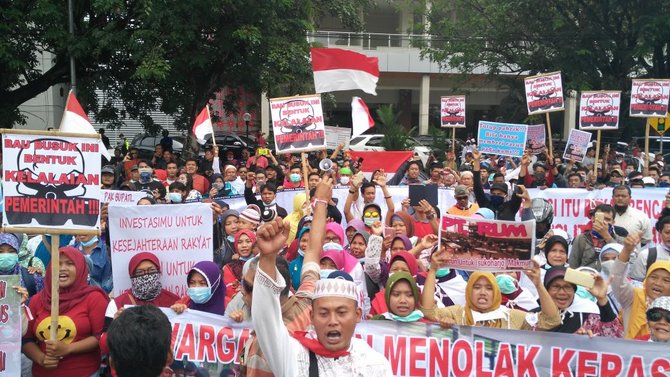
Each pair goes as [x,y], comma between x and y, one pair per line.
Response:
[305,280]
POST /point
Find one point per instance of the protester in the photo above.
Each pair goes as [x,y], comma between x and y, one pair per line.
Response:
[658,252]
[658,320]
[9,265]
[463,207]
[232,271]
[449,286]
[402,299]
[81,310]
[300,209]
[226,237]
[400,261]
[587,246]
[629,218]
[100,264]
[206,290]
[504,210]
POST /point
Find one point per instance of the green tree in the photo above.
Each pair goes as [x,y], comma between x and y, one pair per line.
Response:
[169,55]
[596,44]
[396,137]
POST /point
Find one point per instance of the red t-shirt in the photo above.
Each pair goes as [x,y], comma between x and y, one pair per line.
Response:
[422,229]
[84,320]
[200,184]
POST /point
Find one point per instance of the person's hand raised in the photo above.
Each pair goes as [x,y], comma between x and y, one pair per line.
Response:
[271,237]
[324,190]
[377,228]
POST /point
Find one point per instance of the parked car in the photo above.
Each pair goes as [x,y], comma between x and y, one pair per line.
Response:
[146,144]
[374,143]
[232,142]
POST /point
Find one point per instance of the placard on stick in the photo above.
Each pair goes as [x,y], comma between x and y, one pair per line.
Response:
[537,139]
[452,111]
[578,143]
[544,93]
[649,98]
[599,110]
[298,124]
[10,323]
[505,139]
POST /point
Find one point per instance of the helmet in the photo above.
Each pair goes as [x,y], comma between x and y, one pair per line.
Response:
[542,210]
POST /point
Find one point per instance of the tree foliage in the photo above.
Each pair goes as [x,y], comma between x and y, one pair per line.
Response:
[596,44]
[168,55]
[396,137]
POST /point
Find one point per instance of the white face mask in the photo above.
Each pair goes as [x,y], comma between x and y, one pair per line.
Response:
[344,180]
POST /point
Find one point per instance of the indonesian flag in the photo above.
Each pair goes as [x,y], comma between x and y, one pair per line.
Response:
[337,69]
[75,120]
[203,125]
[390,161]
[360,117]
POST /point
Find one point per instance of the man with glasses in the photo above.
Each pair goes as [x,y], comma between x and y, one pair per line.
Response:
[463,207]
[658,320]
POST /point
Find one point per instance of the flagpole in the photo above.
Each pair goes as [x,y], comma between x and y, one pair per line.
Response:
[210,119]
[73,73]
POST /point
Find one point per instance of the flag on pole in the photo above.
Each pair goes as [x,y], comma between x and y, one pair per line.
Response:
[337,69]
[75,120]
[203,125]
[360,117]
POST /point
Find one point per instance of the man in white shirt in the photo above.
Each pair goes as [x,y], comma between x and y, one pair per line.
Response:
[629,218]
[660,251]
[330,348]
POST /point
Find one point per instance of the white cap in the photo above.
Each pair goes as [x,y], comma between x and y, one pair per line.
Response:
[335,288]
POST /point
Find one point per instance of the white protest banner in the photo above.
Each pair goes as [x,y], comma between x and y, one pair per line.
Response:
[578,143]
[649,98]
[599,110]
[505,139]
[452,111]
[51,181]
[297,123]
[216,343]
[544,93]
[537,138]
[180,235]
[122,197]
[336,136]
[10,324]
[476,244]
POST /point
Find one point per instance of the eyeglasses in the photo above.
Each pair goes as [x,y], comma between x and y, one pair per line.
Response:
[150,271]
[249,288]
[564,288]
[371,214]
[657,315]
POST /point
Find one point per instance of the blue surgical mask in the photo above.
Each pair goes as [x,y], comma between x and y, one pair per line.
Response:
[302,253]
[230,238]
[412,317]
[8,261]
[442,272]
[368,221]
[506,284]
[90,242]
[325,273]
[145,177]
[174,197]
[496,200]
[199,295]
[583,293]
[295,178]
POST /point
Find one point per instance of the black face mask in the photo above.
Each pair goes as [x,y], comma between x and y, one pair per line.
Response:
[496,200]
[540,177]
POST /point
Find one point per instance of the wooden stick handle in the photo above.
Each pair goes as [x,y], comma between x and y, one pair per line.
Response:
[551,143]
[55,266]
[305,172]
[595,167]
[646,147]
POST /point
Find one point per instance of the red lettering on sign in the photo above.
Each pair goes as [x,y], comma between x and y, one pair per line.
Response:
[610,364]
[417,354]
[479,361]
[659,367]
[560,362]
[395,350]
[462,367]
[206,343]
[635,368]
[226,341]
[439,356]
[584,368]
[186,346]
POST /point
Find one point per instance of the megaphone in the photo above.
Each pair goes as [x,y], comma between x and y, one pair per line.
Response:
[326,164]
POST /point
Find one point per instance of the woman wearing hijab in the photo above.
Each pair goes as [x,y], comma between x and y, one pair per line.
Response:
[578,314]
[293,218]
[295,266]
[206,291]
[232,272]
[483,304]
[513,295]
[401,261]
[10,264]
[81,320]
[227,229]
[292,250]
[402,299]
[353,226]
[634,301]
[402,225]
[144,270]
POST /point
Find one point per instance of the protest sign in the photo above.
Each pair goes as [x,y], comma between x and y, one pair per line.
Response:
[578,143]
[503,139]
[51,181]
[180,235]
[10,323]
[649,98]
[452,111]
[122,197]
[216,343]
[297,123]
[599,110]
[336,136]
[537,138]
[544,93]
[476,244]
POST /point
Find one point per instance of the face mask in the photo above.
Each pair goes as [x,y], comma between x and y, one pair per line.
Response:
[583,293]
[325,273]
[145,177]
[442,272]
[506,283]
[174,197]
[412,317]
[610,230]
[370,220]
[606,267]
[199,295]
[540,176]
[496,200]
[260,183]
[146,287]
[90,242]
[295,178]
[8,261]
[230,238]
[344,180]
[302,253]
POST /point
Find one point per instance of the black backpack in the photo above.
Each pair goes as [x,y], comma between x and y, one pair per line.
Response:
[651,257]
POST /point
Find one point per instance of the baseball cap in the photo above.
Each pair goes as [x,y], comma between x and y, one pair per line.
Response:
[618,171]
[461,190]
[635,175]
[107,169]
[662,302]
[500,186]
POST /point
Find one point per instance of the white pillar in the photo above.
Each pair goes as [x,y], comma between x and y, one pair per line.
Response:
[265,115]
[570,114]
[424,102]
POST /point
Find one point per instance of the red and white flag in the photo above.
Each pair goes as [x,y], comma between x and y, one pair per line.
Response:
[337,69]
[203,125]
[360,117]
[75,120]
